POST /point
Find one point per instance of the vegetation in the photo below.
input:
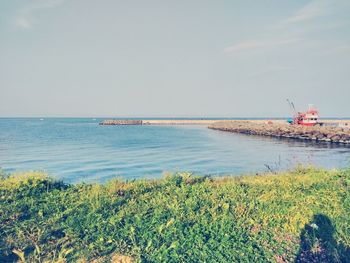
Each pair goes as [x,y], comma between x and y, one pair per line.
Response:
[302,215]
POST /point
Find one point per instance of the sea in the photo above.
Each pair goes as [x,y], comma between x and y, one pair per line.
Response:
[79,150]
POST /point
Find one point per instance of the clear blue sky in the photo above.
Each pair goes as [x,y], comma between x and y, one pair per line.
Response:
[173,58]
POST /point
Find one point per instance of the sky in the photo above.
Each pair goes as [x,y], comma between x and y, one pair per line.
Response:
[179,58]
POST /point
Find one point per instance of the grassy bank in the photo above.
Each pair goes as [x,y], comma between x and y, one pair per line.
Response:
[301,215]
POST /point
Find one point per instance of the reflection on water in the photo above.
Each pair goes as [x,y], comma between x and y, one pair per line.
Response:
[81,150]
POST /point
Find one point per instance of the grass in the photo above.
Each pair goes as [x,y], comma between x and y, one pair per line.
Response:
[301,215]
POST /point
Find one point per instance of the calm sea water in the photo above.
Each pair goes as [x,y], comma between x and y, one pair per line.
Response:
[78,150]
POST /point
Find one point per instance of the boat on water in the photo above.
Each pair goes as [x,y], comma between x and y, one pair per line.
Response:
[307,118]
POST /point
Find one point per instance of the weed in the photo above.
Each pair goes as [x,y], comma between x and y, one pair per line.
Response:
[180,218]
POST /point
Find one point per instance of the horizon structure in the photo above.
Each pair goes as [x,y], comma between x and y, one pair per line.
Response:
[70,58]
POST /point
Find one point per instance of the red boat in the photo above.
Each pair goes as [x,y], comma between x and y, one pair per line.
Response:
[308,118]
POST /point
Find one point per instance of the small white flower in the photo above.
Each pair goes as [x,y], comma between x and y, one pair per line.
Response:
[314,226]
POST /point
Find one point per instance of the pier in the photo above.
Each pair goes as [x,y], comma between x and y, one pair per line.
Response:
[121,122]
[159,122]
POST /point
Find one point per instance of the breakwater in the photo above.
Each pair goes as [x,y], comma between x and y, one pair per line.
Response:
[121,122]
[315,133]
[158,122]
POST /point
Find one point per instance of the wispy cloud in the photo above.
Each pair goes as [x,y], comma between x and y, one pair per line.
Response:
[270,70]
[309,11]
[315,9]
[254,45]
[25,17]
[302,23]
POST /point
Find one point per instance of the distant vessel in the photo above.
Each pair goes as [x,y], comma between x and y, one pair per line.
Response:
[308,118]
[41,119]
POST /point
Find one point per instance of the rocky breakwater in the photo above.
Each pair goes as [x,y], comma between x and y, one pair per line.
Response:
[121,122]
[315,133]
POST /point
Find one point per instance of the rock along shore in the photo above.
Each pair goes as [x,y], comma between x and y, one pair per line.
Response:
[315,133]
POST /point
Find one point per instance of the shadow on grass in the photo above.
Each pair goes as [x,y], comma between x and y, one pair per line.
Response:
[317,243]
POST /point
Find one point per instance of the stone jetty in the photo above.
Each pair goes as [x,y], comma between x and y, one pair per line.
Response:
[159,122]
[281,130]
[121,122]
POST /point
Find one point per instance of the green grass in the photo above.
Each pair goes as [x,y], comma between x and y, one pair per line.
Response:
[302,215]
